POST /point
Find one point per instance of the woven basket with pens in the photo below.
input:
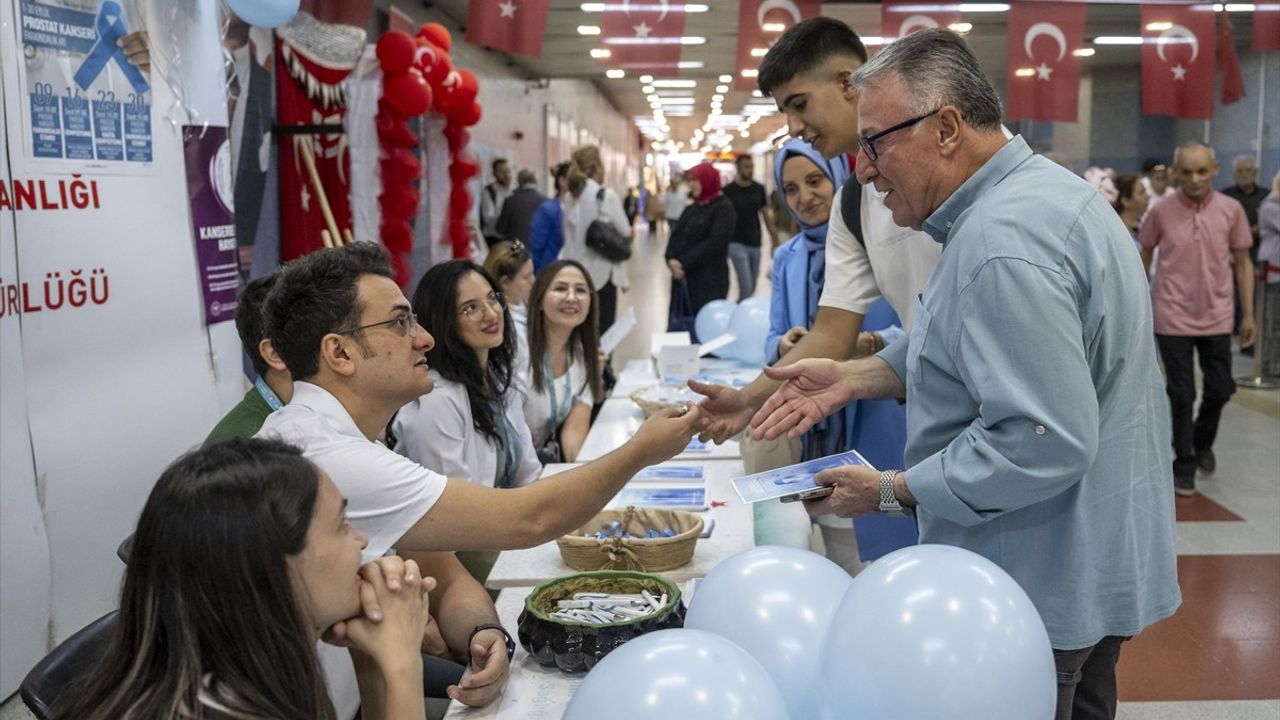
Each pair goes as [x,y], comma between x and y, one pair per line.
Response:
[655,398]
[603,545]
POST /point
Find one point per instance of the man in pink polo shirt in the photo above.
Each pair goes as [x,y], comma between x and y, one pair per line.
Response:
[1198,231]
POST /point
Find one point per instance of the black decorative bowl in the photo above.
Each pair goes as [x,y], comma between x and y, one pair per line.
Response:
[576,646]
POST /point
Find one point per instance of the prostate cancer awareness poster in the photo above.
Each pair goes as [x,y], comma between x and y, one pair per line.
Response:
[85,85]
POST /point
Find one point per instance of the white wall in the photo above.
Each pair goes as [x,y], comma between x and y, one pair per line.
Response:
[114,391]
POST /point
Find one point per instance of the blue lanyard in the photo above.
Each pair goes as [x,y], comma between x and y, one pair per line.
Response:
[551,388]
[267,394]
[510,448]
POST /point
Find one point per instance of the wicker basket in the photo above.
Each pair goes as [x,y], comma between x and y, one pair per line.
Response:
[638,553]
[655,398]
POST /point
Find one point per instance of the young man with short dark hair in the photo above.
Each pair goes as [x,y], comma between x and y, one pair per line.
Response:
[752,207]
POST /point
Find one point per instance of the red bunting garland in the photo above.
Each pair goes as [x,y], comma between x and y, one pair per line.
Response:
[418,76]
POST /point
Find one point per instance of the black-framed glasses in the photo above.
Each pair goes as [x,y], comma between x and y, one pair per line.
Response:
[494,301]
[407,324]
[868,142]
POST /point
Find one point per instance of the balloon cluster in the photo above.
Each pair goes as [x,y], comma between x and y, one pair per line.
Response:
[925,632]
[747,320]
[418,76]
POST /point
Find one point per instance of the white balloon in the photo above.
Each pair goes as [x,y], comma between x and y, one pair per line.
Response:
[940,633]
[264,13]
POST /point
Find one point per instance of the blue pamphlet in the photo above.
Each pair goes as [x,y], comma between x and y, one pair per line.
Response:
[671,473]
[793,478]
[661,496]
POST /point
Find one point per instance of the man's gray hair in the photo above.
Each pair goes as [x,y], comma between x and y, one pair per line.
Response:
[1193,145]
[938,69]
[1245,159]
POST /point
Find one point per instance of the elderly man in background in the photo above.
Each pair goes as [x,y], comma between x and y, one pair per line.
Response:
[1037,433]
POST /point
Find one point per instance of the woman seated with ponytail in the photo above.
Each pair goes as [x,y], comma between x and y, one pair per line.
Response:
[242,559]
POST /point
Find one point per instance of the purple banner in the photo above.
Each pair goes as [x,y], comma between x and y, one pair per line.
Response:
[208,155]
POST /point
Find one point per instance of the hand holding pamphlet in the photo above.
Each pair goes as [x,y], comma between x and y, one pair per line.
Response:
[793,479]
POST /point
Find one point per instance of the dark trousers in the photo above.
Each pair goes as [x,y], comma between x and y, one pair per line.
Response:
[1190,437]
[1087,680]
[608,304]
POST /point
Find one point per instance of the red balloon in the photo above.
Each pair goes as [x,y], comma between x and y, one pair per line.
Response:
[468,85]
[407,93]
[470,114]
[462,170]
[437,34]
[395,52]
[459,200]
[399,202]
[458,136]
[432,60]
[394,132]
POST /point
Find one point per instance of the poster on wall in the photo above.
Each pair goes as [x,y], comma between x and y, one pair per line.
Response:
[86,97]
[213,224]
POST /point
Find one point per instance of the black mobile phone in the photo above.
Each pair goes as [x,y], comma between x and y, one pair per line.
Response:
[810,494]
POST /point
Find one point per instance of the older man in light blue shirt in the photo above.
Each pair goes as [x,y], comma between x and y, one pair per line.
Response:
[1038,429]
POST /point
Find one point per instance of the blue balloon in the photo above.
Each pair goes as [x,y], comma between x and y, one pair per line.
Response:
[777,603]
[750,323]
[936,632]
[685,674]
[713,320]
[264,13]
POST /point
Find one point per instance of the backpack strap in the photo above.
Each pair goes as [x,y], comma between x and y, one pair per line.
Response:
[600,195]
[851,208]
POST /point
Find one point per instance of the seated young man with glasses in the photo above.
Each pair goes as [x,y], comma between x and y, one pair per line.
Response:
[351,340]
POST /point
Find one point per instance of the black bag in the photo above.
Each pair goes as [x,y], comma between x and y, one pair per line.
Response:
[681,316]
[605,239]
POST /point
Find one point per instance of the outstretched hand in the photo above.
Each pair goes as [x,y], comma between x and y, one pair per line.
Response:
[813,389]
[723,414]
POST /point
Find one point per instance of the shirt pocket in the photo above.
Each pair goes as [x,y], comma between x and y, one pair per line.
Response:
[916,347]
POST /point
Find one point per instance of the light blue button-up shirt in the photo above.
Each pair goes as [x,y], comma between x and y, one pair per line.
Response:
[1037,424]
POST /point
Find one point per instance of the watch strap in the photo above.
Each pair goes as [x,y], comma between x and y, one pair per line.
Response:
[511,643]
[888,498]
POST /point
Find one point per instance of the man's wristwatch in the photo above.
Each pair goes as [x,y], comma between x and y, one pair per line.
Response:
[888,498]
[511,644]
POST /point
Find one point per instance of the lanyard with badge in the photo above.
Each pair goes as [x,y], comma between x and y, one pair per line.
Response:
[272,400]
[551,452]
[509,455]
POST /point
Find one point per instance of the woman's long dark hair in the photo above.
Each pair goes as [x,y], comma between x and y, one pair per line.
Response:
[208,592]
[436,303]
[583,343]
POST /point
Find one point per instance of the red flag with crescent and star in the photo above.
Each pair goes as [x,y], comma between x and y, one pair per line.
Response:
[1178,60]
[899,19]
[1043,73]
[753,16]
[643,36]
[514,26]
[1266,26]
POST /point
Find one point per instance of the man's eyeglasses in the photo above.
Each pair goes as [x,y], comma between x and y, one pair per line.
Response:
[868,142]
[406,324]
[473,310]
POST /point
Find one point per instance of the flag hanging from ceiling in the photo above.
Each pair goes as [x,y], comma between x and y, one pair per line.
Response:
[643,37]
[1043,72]
[514,26]
[1266,26]
[1178,60]
[1229,62]
[899,19]
[760,22]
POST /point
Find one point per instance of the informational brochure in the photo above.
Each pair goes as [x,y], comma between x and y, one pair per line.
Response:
[671,473]
[793,478]
[661,496]
[618,331]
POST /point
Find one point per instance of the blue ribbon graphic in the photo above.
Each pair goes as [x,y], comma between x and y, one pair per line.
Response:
[110,26]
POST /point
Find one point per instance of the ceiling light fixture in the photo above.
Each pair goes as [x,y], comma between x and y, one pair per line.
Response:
[773,27]
[982,7]
[960,27]
[1025,72]
[759,52]
[588,30]
[1117,40]
[646,79]
[750,73]
[1084,52]
[600,53]
[674,83]
[726,78]
[722,88]
[628,7]
[690,64]
[615,74]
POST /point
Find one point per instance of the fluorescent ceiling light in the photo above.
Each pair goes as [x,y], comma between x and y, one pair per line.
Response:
[646,79]
[717,97]
[664,7]
[1159,26]
[600,53]
[690,64]
[961,27]
[647,89]
[726,78]
[773,27]
[588,30]
[615,74]
[750,73]
[1237,7]
[984,7]
[759,52]
[1084,52]
[675,101]
[686,40]
[722,88]
[1024,72]
[675,83]
[1117,40]
[874,40]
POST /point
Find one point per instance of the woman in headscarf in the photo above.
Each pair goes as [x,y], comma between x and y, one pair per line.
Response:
[698,251]
[875,428]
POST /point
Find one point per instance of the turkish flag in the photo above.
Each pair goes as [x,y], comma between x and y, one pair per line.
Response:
[1177,60]
[1266,26]
[1229,62]
[514,26]
[899,19]
[753,15]
[644,37]
[1043,73]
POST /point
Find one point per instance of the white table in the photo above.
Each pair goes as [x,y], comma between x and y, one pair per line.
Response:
[619,419]
[733,533]
[637,374]
[533,692]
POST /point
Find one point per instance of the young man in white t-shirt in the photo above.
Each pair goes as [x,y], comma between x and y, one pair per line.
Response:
[806,71]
